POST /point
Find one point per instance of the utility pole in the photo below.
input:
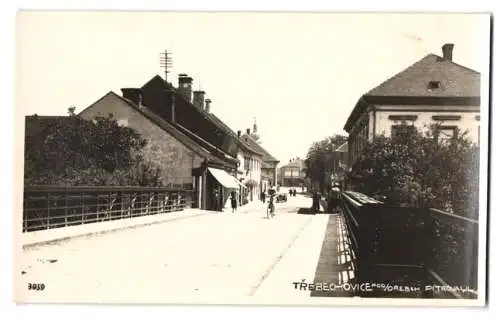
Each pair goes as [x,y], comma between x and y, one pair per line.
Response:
[166,63]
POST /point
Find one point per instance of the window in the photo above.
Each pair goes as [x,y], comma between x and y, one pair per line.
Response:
[446,118]
[403,117]
[434,85]
[447,132]
[401,130]
[247,163]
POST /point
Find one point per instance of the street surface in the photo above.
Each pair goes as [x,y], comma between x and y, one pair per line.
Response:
[214,258]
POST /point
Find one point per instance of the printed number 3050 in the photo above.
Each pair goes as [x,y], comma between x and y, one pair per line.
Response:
[36,286]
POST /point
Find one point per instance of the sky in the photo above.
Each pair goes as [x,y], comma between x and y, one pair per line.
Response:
[298,74]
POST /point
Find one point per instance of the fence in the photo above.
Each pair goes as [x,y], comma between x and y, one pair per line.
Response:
[48,207]
[413,247]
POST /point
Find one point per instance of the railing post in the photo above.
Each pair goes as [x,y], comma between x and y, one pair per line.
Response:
[83,207]
[98,207]
[48,211]
[66,208]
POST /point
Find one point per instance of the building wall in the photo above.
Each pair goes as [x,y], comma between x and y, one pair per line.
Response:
[292,175]
[250,165]
[376,121]
[255,175]
[174,158]
[467,121]
[241,159]
[268,177]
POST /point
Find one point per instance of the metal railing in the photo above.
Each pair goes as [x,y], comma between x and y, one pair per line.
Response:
[49,207]
[452,257]
[418,246]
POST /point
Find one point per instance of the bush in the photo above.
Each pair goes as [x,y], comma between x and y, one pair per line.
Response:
[70,151]
[417,168]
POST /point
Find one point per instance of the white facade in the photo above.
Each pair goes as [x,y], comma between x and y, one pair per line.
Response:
[463,120]
[250,170]
[380,119]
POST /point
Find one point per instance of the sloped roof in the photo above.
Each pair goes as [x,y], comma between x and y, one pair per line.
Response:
[457,85]
[246,145]
[267,156]
[209,116]
[252,145]
[266,165]
[455,80]
[295,163]
[166,126]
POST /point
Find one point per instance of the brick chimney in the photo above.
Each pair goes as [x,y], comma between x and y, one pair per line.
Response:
[185,86]
[448,52]
[248,131]
[239,133]
[199,99]
[133,94]
[207,104]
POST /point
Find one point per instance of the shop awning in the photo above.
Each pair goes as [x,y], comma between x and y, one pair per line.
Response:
[224,178]
[240,183]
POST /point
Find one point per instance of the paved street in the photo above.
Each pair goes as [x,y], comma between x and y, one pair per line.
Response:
[218,257]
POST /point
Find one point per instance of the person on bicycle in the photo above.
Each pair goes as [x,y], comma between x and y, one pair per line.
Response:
[270,206]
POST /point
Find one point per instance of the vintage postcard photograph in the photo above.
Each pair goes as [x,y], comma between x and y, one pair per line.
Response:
[251,158]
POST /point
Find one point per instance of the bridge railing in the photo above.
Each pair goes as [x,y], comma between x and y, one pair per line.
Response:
[49,207]
[411,245]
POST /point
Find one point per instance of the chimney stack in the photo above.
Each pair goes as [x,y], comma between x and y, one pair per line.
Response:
[239,133]
[133,94]
[448,52]
[248,131]
[199,98]
[207,105]
[185,86]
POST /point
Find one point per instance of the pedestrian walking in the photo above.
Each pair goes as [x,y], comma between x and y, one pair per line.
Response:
[334,198]
[234,203]
[294,192]
[316,198]
[263,196]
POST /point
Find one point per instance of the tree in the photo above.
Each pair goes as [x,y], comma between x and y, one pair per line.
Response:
[419,168]
[319,157]
[72,151]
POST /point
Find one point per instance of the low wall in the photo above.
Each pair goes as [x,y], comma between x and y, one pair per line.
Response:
[41,237]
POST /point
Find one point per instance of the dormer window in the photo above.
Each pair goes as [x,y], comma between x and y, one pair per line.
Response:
[434,85]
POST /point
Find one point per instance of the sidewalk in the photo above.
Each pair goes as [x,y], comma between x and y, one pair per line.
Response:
[33,238]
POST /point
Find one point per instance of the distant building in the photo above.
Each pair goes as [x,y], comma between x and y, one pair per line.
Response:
[251,159]
[292,174]
[269,167]
[433,90]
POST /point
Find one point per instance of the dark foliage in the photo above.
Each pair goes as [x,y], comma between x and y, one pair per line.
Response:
[72,151]
[417,168]
[318,158]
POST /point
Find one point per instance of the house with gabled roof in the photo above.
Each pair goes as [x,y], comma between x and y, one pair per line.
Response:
[435,89]
[183,157]
[292,174]
[249,157]
[177,106]
[269,166]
